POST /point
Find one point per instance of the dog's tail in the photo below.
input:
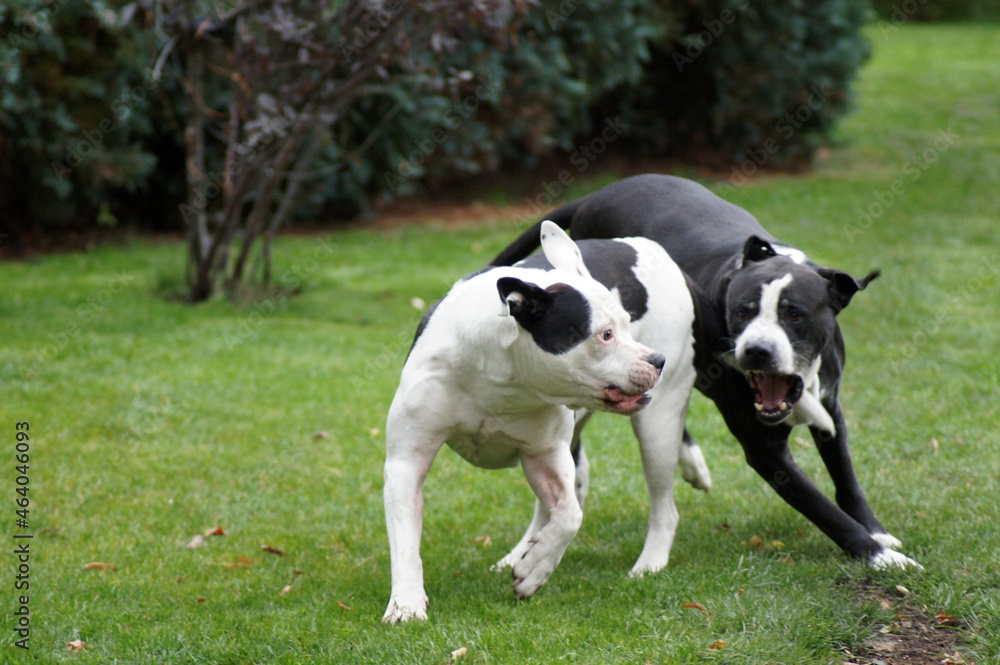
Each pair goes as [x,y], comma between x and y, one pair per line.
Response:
[530,240]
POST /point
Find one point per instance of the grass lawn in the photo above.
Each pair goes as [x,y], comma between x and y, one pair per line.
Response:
[152,421]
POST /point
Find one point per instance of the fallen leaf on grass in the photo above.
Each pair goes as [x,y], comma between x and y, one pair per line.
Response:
[458,653]
[716,645]
[755,542]
[485,541]
[903,591]
[943,619]
[217,531]
[196,542]
[99,565]
[76,645]
[344,607]
[284,591]
[696,606]
[320,435]
[374,431]
[296,573]
[272,550]
[201,600]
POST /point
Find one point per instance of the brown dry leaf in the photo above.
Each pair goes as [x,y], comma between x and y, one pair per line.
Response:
[99,565]
[726,526]
[903,591]
[284,592]
[201,599]
[885,603]
[344,607]
[272,550]
[485,541]
[716,645]
[217,531]
[943,619]
[296,573]
[321,435]
[755,542]
[776,545]
[696,606]
[196,542]
[76,645]
[458,653]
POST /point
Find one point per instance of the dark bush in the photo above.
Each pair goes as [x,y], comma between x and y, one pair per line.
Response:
[711,81]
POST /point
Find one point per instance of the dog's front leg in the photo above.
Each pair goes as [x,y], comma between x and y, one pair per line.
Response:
[552,476]
[837,458]
[404,512]
[660,430]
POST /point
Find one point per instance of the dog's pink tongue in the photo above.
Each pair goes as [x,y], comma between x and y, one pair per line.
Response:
[623,401]
[773,390]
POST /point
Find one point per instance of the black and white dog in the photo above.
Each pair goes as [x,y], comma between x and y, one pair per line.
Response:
[769,351]
[497,367]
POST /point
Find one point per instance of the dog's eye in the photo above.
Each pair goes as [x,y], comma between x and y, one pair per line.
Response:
[794,316]
[743,314]
[607,335]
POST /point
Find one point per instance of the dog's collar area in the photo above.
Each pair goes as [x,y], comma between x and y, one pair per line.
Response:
[775,395]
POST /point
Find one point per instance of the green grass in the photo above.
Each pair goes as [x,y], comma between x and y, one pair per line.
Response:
[152,421]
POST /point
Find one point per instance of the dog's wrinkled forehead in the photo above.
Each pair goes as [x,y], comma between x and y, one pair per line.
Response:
[805,285]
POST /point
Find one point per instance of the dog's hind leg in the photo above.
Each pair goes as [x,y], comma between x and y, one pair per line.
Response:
[692,466]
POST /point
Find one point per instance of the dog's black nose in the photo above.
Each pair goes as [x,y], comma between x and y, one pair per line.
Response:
[657,360]
[756,357]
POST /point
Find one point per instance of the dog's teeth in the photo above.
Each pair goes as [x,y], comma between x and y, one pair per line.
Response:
[784,406]
[758,406]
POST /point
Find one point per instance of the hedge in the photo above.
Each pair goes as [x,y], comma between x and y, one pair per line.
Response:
[88,131]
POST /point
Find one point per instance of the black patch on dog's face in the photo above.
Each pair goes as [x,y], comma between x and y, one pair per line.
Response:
[558,318]
[612,263]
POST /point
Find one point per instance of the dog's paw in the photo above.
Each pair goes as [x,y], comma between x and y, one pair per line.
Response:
[399,611]
[886,540]
[646,566]
[693,468]
[889,558]
[531,572]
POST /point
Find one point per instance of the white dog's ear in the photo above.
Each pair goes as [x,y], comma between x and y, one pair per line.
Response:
[561,251]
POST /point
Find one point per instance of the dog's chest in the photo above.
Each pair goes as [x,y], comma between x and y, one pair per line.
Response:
[498,440]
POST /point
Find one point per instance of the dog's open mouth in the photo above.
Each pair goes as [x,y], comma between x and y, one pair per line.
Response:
[775,395]
[621,402]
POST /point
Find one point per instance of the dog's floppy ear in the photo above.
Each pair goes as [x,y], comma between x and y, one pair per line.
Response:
[561,251]
[842,286]
[757,249]
[525,302]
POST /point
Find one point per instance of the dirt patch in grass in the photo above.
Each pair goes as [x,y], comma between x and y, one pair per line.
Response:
[917,636]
